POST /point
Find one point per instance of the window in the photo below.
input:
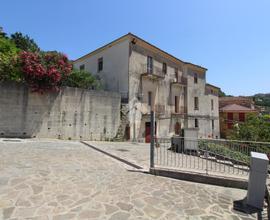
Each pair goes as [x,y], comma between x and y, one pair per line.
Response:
[213,124]
[196,123]
[150,98]
[82,67]
[164,68]
[230,120]
[241,117]
[149,64]
[176,103]
[196,103]
[212,104]
[176,74]
[100,64]
[195,78]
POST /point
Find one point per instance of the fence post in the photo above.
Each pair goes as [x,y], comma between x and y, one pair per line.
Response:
[206,159]
[152,144]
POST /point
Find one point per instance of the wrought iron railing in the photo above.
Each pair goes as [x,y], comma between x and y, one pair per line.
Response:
[152,71]
[207,155]
[159,109]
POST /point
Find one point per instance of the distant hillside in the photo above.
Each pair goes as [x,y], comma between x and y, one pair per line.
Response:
[262,101]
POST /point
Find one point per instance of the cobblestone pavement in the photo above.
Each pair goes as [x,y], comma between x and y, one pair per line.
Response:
[60,180]
[137,153]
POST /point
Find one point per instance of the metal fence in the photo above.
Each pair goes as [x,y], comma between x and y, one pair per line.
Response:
[221,157]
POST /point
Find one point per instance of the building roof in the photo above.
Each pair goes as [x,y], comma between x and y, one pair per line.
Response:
[210,85]
[243,101]
[130,35]
[236,108]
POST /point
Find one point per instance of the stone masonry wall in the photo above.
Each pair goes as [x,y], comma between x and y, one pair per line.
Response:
[71,113]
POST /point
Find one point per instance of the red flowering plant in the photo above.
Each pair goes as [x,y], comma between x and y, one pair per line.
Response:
[43,72]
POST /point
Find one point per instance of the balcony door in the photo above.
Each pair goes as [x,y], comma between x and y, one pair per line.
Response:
[149,64]
[176,102]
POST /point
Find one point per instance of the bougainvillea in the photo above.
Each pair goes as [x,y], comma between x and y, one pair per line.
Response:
[44,71]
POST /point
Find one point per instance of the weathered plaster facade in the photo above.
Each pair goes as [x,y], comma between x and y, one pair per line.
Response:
[126,70]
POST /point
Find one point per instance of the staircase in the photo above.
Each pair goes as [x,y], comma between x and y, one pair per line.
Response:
[120,135]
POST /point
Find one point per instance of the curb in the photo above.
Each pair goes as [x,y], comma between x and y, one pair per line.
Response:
[113,156]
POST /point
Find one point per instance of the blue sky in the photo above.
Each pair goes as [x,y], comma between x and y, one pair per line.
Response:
[229,37]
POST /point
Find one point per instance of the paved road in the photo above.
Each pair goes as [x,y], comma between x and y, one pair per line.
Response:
[58,180]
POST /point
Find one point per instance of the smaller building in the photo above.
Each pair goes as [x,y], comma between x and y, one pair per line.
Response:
[232,114]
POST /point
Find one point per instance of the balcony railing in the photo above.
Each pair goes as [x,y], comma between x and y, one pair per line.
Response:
[152,72]
[181,111]
[181,80]
[210,91]
[160,109]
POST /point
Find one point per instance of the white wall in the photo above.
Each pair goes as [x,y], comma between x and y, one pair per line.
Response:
[115,66]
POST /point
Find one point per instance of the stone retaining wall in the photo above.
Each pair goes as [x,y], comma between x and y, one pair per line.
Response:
[71,113]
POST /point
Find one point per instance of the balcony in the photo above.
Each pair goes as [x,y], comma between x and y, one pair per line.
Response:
[159,109]
[180,81]
[154,73]
[181,111]
[211,91]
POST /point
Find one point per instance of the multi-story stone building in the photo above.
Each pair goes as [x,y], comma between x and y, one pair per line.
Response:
[148,76]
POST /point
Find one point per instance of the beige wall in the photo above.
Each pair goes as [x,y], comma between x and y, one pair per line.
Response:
[160,93]
[204,115]
[115,66]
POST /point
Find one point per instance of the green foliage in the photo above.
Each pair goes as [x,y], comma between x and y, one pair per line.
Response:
[9,60]
[226,152]
[2,33]
[82,79]
[24,42]
[255,128]
[22,60]
[262,99]
[221,93]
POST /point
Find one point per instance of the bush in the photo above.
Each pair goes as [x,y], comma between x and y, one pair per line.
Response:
[80,79]
[24,42]
[224,151]
[44,71]
[9,61]
[255,128]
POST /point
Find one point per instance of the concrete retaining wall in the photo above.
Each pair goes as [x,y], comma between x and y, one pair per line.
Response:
[71,113]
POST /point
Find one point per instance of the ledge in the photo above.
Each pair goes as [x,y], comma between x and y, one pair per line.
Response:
[201,178]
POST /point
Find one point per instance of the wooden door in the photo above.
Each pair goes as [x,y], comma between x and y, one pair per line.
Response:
[148,131]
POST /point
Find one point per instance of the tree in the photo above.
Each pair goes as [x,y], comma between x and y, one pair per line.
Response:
[24,42]
[2,33]
[9,60]
[81,79]
[44,71]
[221,93]
[255,128]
